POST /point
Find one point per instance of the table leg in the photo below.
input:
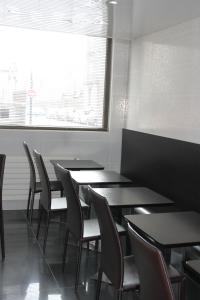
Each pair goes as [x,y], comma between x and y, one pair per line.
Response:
[166,254]
[117,214]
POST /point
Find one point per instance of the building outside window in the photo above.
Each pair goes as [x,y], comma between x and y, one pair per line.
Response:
[53,80]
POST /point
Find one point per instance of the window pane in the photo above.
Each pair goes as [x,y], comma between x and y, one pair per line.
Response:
[50,79]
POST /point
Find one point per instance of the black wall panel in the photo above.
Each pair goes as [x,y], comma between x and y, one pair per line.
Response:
[168,166]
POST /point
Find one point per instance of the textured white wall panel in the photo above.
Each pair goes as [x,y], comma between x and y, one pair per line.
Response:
[164,85]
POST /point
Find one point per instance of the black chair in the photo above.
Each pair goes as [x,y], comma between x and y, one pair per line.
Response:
[34,186]
[2,167]
[47,203]
[120,270]
[155,276]
[82,230]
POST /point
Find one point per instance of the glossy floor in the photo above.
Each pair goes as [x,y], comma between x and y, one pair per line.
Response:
[27,275]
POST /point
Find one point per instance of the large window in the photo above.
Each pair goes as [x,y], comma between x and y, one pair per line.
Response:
[53,80]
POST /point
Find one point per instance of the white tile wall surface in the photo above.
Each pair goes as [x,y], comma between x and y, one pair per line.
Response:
[164,84]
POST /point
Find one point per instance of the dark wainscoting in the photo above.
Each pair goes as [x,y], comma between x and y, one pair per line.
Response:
[170,167]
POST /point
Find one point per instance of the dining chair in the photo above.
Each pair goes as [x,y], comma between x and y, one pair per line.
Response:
[120,270]
[35,186]
[155,276]
[2,167]
[82,230]
[47,203]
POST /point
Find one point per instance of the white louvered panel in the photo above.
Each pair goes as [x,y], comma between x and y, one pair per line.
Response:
[80,17]
[16,178]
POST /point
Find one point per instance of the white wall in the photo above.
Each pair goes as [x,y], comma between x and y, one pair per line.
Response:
[103,147]
[164,84]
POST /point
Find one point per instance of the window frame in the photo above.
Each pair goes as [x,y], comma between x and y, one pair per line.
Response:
[106,102]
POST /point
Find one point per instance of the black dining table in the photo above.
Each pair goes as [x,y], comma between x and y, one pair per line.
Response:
[98,177]
[172,229]
[77,164]
[128,197]
[168,230]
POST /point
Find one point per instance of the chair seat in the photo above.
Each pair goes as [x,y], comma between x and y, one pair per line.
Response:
[174,275]
[121,230]
[131,277]
[92,231]
[193,268]
[55,186]
[61,203]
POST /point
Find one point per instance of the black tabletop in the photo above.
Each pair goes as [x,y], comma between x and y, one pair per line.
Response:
[174,229]
[98,177]
[132,197]
[77,164]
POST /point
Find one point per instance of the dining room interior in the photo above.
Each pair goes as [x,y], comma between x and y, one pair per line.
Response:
[100,150]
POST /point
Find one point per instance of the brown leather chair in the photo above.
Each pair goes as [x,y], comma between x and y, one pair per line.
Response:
[34,186]
[120,270]
[47,203]
[2,167]
[155,276]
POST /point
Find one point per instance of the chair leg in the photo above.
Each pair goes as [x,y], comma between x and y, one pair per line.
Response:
[31,206]
[119,295]
[88,212]
[46,232]
[98,291]
[88,246]
[39,220]
[65,247]
[78,265]
[2,235]
[182,293]
[28,203]
[97,245]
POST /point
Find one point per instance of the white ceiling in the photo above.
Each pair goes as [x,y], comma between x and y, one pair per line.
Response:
[154,15]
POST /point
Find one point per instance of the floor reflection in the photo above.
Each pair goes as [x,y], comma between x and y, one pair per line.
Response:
[27,275]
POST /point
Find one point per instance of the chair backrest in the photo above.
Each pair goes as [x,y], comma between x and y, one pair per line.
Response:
[45,195]
[31,165]
[111,251]
[154,281]
[85,192]
[2,167]
[74,212]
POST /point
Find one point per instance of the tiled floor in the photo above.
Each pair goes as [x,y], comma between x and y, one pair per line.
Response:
[27,275]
